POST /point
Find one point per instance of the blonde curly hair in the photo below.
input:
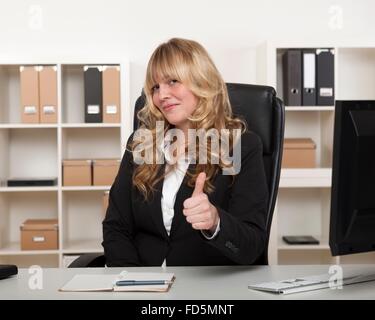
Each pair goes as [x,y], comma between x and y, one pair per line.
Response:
[189,63]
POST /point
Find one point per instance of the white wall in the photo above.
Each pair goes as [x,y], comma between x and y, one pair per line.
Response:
[133,28]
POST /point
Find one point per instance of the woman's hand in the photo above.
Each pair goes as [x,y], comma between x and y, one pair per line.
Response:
[198,210]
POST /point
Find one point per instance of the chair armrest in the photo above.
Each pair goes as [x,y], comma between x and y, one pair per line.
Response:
[89,260]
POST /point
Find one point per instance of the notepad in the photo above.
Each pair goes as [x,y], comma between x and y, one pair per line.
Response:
[105,282]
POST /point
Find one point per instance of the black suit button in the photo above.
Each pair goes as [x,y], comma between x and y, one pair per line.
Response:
[231,246]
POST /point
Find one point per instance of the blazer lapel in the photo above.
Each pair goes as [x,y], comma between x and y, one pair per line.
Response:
[155,206]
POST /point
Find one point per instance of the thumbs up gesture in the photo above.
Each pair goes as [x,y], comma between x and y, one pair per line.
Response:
[198,210]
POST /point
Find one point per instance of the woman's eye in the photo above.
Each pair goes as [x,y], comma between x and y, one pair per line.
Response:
[173,81]
[155,88]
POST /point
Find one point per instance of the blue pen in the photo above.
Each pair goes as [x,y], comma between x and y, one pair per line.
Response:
[140,282]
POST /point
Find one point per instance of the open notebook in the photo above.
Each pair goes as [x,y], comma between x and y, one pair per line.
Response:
[125,281]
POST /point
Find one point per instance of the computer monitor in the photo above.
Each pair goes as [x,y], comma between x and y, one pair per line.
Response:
[352,223]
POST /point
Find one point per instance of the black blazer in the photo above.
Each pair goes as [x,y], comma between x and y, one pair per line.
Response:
[134,233]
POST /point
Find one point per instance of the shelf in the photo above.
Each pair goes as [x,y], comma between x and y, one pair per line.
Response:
[55,126]
[38,150]
[305,178]
[28,189]
[310,108]
[91,143]
[323,245]
[87,188]
[28,126]
[304,197]
[355,76]
[29,152]
[13,248]
[91,125]
[83,246]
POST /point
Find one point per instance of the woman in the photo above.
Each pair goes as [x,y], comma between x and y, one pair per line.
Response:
[170,204]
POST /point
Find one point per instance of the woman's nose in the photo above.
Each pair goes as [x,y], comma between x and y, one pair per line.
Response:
[164,92]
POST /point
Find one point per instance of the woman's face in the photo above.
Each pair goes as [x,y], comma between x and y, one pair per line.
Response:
[175,101]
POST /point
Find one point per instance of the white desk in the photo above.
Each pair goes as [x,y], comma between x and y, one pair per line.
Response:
[192,283]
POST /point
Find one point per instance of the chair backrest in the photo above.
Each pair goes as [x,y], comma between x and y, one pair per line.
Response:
[265,115]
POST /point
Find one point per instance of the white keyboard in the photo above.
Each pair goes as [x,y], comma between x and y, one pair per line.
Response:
[308,283]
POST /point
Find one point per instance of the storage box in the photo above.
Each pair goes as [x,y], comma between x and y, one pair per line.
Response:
[299,153]
[48,94]
[105,202]
[29,85]
[105,171]
[77,173]
[111,94]
[39,234]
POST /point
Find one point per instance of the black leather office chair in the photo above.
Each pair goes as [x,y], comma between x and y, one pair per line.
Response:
[264,114]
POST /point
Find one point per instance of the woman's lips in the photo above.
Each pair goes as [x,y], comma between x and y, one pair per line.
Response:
[169,107]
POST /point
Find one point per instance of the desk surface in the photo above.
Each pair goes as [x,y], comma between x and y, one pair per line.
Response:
[192,283]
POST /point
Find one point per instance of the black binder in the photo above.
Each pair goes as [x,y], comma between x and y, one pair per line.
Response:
[7,270]
[325,75]
[309,78]
[93,94]
[292,78]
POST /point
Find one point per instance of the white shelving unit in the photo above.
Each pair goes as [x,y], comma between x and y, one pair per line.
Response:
[312,108]
[305,178]
[37,150]
[303,204]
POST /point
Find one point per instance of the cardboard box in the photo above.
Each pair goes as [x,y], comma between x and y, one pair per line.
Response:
[48,94]
[111,94]
[105,202]
[77,172]
[105,171]
[29,83]
[299,153]
[39,234]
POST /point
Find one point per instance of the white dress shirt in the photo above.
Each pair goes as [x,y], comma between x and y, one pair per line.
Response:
[171,185]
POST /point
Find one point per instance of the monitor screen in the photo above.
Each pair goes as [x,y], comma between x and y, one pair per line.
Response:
[352,223]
